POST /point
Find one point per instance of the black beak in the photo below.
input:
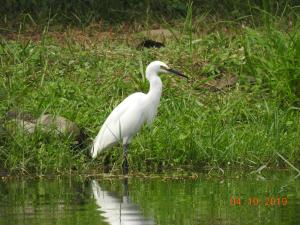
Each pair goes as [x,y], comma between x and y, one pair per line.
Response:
[177,73]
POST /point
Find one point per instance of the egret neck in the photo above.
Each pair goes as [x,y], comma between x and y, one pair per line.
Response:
[155,89]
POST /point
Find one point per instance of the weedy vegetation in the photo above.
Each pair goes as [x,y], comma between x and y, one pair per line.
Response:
[199,124]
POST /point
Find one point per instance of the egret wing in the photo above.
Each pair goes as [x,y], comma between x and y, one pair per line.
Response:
[124,106]
[109,133]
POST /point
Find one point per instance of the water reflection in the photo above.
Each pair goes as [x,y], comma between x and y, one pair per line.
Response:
[207,200]
[116,210]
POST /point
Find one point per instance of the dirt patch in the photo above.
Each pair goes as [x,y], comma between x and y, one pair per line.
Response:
[96,33]
[91,34]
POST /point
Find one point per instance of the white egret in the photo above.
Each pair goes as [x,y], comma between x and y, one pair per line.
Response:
[128,117]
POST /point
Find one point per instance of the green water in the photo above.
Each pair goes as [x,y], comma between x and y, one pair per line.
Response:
[274,199]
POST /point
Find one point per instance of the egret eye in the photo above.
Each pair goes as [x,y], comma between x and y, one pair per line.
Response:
[164,68]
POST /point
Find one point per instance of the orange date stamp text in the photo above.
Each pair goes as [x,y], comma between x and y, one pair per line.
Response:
[256,201]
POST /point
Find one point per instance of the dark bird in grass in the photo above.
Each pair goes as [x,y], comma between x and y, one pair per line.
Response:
[150,44]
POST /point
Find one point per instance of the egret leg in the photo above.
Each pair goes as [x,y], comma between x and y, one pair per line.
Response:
[125,190]
[106,162]
[125,161]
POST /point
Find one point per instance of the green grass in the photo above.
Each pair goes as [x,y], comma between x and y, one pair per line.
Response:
[241,127]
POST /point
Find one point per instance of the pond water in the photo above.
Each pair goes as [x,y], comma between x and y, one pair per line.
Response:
[271,198]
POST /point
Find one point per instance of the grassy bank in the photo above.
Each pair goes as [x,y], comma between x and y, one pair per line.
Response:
[81,76]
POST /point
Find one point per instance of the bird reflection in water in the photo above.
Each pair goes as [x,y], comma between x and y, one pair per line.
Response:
[118,211]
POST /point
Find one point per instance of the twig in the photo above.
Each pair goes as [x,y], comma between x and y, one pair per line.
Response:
[290,164]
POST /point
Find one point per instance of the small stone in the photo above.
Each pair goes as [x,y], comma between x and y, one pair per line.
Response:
[160,35]
[15,114]
[59,124]
[23,125]
[27,126]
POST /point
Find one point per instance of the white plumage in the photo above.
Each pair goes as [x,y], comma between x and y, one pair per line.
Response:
[128,117]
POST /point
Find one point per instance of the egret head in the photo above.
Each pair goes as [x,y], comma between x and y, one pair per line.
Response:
[156,67]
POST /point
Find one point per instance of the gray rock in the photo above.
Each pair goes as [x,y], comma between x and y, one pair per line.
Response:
[23,121]
[18,124]
[45,123]
[26,126]
[58,124]
[15,114]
